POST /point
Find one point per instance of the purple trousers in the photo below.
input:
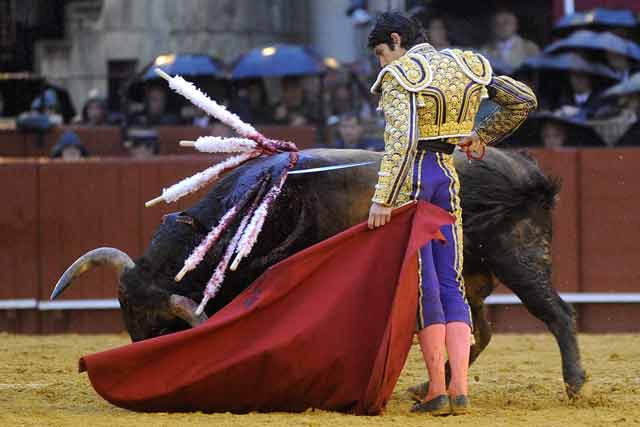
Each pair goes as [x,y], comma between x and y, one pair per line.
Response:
[442,295]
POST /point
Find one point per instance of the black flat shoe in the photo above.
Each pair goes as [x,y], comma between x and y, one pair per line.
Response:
[460,405]
[439,405]
[418,392]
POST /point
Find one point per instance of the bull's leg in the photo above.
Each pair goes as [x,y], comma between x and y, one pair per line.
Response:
[481,332]
[185,308]
[545,304]
[521,260]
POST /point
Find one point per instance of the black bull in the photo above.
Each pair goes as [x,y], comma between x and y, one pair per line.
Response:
[507,203]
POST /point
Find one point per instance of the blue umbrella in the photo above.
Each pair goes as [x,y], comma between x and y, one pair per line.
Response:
[567,62]
[599,17]
[589,40]
[185,65]
[277,61]
[632,85]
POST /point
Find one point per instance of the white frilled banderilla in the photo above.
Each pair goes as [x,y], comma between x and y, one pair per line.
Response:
[250,144]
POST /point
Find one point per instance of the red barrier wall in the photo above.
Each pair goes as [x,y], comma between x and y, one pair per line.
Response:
[55,211]
[19,243]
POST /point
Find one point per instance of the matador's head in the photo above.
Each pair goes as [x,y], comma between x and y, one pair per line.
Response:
[393,34]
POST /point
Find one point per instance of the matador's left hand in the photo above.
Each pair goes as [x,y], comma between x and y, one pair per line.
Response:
[379,215]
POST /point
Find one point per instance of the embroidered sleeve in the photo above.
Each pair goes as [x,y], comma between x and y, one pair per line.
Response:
[400,139]
[515,100]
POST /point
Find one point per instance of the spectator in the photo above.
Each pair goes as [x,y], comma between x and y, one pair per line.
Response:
[553,135]
[631,136]
[156,113]
[562,128]
[437,32]
[351,135]
[292,110]
[342,100]
[619,63]
[47,103]
[94,112]
[200,119]
[142,143]
[1,105]
[252,104]
[69,147]
[584,93]
[507,46]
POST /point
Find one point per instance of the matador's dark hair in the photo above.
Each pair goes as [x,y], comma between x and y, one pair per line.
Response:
[409,29]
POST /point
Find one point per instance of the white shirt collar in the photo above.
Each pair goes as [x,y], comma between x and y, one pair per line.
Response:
[421,46]
[581,98]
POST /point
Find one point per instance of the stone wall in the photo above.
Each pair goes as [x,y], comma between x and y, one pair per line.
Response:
[98,31]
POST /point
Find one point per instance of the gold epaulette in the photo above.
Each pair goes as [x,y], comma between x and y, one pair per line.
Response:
[474,65]
[412,71]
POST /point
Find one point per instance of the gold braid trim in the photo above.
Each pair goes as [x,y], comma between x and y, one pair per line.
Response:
[400,140]
[515,101]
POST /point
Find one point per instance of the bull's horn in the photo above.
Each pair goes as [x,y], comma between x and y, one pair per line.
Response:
[94,258]
[185,308]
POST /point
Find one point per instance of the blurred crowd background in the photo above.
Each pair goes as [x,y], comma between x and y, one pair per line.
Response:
[304,63]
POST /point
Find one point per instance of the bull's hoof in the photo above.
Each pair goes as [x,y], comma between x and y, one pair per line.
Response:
[418,392]
[579,387]
[580,391]
[185,308]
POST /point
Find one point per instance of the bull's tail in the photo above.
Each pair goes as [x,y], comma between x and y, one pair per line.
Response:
[94,258]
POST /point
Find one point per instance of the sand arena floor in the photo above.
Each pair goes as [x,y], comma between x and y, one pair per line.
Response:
[517,381]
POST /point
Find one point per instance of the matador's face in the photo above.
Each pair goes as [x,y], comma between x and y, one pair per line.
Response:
[387,54]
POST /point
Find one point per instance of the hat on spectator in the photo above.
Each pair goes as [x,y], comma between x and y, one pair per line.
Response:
[68,139]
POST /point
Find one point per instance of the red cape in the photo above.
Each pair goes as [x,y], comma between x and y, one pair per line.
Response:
[329,327]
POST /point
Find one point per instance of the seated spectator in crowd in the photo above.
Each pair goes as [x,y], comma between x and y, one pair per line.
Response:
[631,104]
[437,32]
[342,100]
[619,63]
[200,119]
[507,46]
[94,112]
[46,104]
[69,147]
[554,135]
[583,94]
[142,143]
[293,110]
[6,123]
[155,113]
[351,135]
[562,128]
[252,103]
[582,89]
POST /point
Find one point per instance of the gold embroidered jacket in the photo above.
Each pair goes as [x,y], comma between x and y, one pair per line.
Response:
[430,94]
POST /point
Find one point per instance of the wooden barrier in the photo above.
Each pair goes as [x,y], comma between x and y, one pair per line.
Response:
[19,243]
[55,211]
[106,141]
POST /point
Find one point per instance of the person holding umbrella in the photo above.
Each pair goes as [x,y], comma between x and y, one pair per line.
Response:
[567,79]
[291,63]
[618,21]
[627,95]
[620,54]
